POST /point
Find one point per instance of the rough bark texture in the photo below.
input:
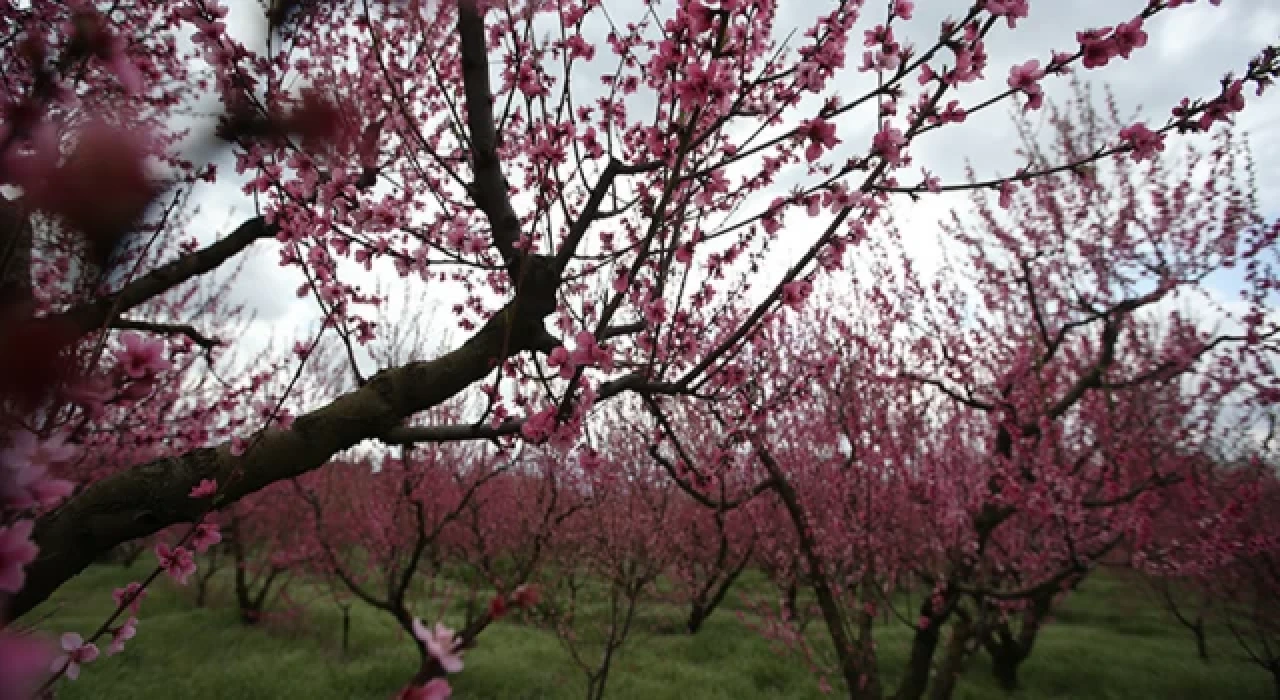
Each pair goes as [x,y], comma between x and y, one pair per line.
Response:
[923,646]
[152,496]
[94,315]
[951,667]
[1008,649]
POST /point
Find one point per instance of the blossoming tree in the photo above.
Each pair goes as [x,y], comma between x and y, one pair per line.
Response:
[637,215]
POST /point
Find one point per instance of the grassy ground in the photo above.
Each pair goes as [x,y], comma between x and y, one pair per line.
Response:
[1108,642]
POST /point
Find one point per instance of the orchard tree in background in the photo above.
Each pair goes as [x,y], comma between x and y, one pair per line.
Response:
[993,442]
[617,238]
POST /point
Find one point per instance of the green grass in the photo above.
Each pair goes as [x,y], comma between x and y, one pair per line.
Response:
[1108,642]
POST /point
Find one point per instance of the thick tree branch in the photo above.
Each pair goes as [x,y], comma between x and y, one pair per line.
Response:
[95,314]
[490,187]
[152,496]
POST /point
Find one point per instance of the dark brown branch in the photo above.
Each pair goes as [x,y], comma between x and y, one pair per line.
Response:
[95,314]
[129,324]
[152,496]
[591,212]
[490,187]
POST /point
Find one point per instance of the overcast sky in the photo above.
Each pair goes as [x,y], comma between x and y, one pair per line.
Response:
[1191,48]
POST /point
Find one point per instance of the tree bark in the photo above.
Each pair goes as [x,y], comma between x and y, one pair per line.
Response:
[953,662]
[861,680]
[697,615]
[1202,644]
[346,629]
[1004,666]
[924,644]
[153,496]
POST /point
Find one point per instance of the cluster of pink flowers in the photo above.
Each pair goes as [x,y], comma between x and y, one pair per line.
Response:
[25,481]
[888,144]
[1011,10]
[16,551]
[586,353]
[1143,142]
[886,53]
[820,135]
[139,360]
[76,652]
[177,562]
[1026,78]
[795,293]
[1099,46]
[441,644]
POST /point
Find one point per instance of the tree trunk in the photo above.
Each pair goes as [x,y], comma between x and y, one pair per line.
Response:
[790,596]
[1004,667]
[204,576]
[862,680]
[1202,645]
[957,654]
[595,685]
[697,615]
[346,630]
[919,663]
[249,607]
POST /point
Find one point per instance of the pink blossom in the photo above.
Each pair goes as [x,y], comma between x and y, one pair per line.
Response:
[134,593]
[1129,36]
[16,551]
[931,183]
[821,135]
[1011,10]
[1220,108]
[140,357]
[204,489]
[27,451]
[1098,47]
[77,652]
[50,492]
[794,293]
[526,596]
[1006,194]
[903,8]
[888,143]
[1026,78]
[588,352]
[539,426]
[122,634]
[176,561]
[559,357]
[440,642]
[709,86]
[655,312]
[205,536]
[589,460]
[1143,142]
[102,188]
